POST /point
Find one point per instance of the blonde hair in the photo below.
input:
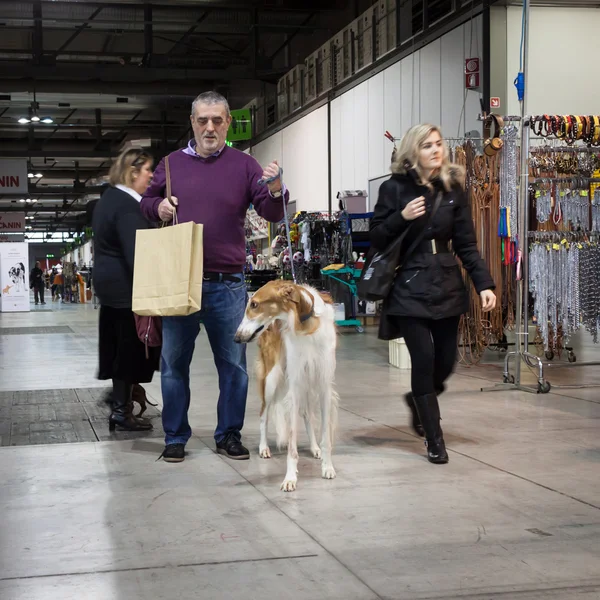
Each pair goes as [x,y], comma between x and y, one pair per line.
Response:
[126,165]
[407,158]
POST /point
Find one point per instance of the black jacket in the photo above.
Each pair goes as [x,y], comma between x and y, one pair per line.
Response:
[428,285]
[115,220]
[36,278]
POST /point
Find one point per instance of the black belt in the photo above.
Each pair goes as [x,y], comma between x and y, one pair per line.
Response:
[221,277]
[432,247]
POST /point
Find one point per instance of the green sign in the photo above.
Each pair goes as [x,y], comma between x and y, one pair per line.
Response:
[49,255]
[241,125]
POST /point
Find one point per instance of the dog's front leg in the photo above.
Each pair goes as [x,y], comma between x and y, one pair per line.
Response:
[291,477]
[310,430]
[327,470]
[263,447]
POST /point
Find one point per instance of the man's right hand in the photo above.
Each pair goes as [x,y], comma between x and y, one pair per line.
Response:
[166,210]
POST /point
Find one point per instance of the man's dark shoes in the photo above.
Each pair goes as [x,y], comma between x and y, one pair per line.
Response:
[173,453]
[232,448]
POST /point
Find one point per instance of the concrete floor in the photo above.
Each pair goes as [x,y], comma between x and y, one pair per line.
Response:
[514,515]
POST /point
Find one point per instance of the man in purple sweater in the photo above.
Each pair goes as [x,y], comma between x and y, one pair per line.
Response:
[212,184]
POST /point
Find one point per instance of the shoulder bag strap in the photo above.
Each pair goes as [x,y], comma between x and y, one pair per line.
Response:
[168,176]
[168,185]
[421,235]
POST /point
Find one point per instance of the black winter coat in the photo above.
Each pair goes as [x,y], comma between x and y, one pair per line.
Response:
[428,285]
[115,221]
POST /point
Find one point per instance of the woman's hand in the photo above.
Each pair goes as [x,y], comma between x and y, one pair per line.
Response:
[414,209]
[488,300]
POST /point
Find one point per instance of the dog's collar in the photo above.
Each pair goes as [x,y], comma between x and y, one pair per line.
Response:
[306,317]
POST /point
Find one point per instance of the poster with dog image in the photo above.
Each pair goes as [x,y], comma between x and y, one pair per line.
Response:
[14,277]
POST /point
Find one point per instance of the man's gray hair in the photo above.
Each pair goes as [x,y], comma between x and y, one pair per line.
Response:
[210,98]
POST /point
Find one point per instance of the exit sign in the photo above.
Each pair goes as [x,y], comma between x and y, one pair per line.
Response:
[241,125]
[49,255]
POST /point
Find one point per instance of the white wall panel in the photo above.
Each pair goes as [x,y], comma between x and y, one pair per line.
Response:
[392,110]
[430,83]
[409,101]
[346,149]
[377,123]
[301,149]
[562,72]
[269,149]
[363,137]
[425,86]
[305,161]
[336,142]
[453,86]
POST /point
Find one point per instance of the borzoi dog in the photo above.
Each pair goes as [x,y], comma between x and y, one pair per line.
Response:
[296,334]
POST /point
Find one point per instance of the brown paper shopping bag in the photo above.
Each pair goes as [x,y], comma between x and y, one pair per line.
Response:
[167,273]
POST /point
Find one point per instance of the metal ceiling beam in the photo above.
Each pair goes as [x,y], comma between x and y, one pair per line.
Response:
[172,89]
[57,126]
[79,30]
[128,73]
[37,41]
[291,6]
[188,33]
[292,36]
[148,41]
[84,152]
[58,191]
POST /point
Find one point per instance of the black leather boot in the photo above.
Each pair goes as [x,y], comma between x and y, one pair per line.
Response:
[429,411]
[416,421]
[122,409]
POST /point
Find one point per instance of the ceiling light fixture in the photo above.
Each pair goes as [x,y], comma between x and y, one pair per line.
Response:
[47,120]
[35,119]
[28,200]
[34,200]
[39,175]
[30,175]
[22,200]
[24,121]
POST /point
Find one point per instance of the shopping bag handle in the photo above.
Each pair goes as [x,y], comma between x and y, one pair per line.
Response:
[168,175]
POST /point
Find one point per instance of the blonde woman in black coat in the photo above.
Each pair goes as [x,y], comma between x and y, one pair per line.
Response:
[115,220]
[428,296]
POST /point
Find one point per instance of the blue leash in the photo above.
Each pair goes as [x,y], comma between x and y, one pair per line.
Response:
[287,219]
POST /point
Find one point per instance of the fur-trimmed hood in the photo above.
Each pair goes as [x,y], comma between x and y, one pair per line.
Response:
[455,176]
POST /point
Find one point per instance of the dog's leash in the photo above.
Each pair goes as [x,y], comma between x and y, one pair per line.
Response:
[286,218]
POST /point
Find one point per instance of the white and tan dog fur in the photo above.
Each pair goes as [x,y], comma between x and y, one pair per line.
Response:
[295,328]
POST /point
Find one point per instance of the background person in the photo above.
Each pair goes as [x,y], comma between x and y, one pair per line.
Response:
[115,220]
[428,296]
[36,282]
[212,184]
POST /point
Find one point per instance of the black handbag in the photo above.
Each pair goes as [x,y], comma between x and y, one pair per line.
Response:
[380,268]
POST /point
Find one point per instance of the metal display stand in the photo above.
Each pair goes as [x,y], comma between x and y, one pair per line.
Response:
[521,353]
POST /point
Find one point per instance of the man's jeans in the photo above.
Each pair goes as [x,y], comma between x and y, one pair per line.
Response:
[223,306]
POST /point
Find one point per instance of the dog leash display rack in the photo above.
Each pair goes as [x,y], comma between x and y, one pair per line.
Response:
[561,137]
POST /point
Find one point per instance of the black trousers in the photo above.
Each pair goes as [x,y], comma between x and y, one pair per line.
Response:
[432,348]
[38,293]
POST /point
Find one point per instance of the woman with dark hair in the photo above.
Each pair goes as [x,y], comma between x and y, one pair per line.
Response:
[115,220]
[428,296]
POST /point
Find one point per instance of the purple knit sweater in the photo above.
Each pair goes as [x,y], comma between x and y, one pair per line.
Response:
[216,192]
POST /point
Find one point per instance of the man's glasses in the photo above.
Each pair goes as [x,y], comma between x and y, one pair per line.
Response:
[216,121]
